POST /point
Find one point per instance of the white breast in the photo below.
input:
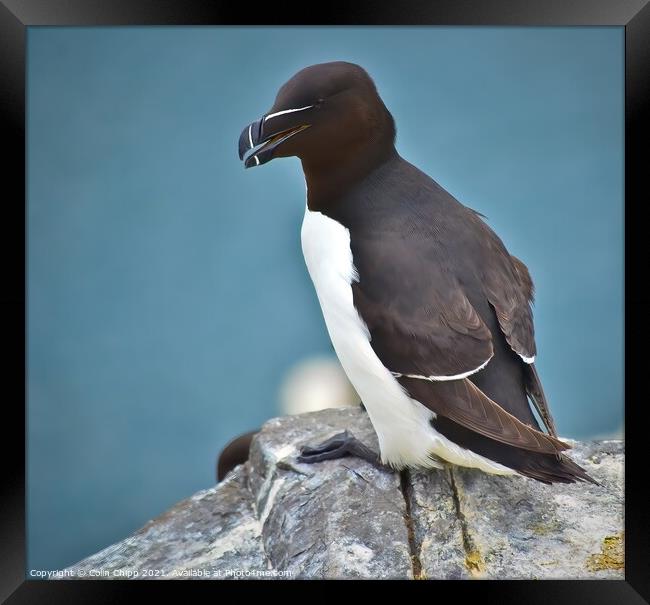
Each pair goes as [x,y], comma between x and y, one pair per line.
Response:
[406,437]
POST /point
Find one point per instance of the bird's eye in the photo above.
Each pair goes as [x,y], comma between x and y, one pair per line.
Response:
[319,101]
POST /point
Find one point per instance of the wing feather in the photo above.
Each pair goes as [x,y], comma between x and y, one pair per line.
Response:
[464,403]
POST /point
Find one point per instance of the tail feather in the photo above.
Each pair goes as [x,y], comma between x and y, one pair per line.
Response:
[547,468]
[550,469]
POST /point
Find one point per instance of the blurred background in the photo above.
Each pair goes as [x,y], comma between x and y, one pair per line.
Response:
[169,308]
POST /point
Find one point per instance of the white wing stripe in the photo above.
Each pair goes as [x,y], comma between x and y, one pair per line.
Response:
[443,378]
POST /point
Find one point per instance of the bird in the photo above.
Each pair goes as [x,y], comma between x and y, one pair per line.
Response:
[427,311]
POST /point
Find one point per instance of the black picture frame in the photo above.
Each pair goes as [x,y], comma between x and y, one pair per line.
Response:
[17,15]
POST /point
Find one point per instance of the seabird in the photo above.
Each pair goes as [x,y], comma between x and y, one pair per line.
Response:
[233,453]
[429,314]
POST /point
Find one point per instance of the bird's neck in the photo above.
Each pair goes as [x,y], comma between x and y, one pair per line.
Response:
[327,182]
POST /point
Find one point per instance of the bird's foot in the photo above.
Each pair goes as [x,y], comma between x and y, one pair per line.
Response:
[341,445]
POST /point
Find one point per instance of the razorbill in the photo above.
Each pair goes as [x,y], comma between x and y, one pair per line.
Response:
[427,311]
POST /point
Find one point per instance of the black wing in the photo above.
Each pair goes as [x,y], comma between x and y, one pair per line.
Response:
[420,320]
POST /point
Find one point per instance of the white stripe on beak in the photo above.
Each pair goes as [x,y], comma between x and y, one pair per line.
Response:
[279,113]
[250,138]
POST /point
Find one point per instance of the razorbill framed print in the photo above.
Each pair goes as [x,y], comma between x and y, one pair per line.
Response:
[326,297]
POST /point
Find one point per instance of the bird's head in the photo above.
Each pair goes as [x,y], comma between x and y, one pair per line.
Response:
[325,114]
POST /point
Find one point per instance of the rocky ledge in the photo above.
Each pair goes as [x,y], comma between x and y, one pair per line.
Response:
[276,518]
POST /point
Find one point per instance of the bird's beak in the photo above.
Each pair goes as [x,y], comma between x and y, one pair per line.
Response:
[259,140]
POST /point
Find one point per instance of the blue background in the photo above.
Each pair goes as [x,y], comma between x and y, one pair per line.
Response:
[167,291]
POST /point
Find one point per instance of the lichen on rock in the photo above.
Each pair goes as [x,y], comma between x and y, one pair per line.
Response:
[611,556]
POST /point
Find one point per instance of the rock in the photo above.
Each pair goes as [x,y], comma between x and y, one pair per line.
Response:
[215,530]
[341,518]
[275,518]
[525,529]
